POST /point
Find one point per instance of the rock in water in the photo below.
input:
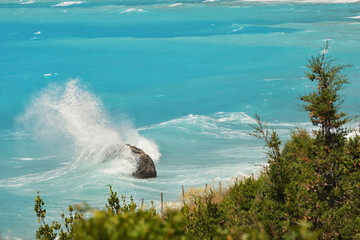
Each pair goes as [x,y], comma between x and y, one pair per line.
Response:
[145,165]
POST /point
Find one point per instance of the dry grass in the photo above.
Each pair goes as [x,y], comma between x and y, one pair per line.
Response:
[217,190]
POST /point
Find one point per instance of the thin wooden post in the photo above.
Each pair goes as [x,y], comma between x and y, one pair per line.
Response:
[183,193]
[252,175]
[205,187]
[162,204]
[142,204]
[219,186]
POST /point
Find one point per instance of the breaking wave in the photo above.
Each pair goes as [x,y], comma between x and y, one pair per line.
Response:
[70,115]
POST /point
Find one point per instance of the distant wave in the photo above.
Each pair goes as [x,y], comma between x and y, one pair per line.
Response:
[238,29]
[223,117]
[224,125]
[273,79]
[175,5]
[7,135]
[67,3]
[132,10]
[24,159]
[34,158]
[28,2]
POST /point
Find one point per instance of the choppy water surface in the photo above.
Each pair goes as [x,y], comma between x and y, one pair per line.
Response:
[181,80]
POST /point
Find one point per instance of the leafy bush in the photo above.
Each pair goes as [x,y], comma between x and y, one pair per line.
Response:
[49,232]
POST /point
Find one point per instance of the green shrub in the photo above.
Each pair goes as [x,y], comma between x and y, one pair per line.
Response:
[130,225]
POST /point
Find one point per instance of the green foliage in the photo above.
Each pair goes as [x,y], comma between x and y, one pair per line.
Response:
[130,225]
[49,232]
[114,203]
[125,221]
[45,231]
[205,219]
[324,103]
[69,223]
[271,139]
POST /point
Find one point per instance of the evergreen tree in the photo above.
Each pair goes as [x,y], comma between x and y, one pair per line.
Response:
[324,103]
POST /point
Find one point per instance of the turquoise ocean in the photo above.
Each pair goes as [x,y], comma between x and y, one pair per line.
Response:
[180,79]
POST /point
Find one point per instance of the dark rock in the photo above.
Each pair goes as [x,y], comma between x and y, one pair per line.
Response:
[145,165]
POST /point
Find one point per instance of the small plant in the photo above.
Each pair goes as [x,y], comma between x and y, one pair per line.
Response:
[45,230]
[49,232]
[69,223]
[114,203]
[271,139]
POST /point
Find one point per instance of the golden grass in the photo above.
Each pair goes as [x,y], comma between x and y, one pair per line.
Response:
[217,190]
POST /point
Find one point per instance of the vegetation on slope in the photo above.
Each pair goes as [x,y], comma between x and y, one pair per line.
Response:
[310,188]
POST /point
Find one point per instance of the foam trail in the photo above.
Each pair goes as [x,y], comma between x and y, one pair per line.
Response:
[68,3]
[175,5]
[75,115]
[28,2]
[132,10]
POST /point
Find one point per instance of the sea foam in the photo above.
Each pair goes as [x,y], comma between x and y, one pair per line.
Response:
[28,2]
[78,117]
[68,3]
[175,5]
[132,10]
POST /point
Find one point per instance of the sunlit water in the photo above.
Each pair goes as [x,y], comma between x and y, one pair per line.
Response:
[181,80]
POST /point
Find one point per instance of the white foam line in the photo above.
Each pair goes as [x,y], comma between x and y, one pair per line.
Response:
[47,157]
[132,10]
[66,163]
[24,159]
[356,17]
[212,121]
[28,2]
[272,79]
[175,5]
[238,29]
[68,3]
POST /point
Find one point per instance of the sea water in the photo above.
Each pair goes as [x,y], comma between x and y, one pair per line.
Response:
[180,79]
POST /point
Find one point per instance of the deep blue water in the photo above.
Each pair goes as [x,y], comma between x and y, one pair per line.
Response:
[180,80]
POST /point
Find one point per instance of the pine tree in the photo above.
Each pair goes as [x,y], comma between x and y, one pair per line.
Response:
[323,105]
[324,102]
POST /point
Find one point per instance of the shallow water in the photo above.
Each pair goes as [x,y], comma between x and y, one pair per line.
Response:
[181,80]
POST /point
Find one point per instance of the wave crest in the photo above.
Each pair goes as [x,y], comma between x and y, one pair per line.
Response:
[76,117]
